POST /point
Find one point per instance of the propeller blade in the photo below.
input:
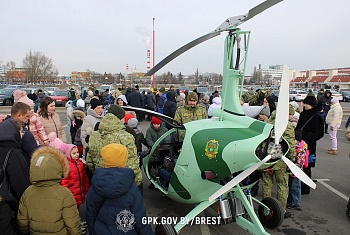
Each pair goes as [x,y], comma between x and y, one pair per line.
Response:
[282,111]
[181,50]
[238,179]
[299,173]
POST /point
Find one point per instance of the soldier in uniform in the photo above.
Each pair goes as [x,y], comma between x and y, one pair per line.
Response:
[258,98]
[248,96]
[279,170]
[112,130]
[191,111]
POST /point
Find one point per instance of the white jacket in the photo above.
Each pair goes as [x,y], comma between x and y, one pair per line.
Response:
[216,104]
[335,115]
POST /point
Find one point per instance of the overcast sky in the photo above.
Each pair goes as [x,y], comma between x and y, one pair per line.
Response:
[105,35]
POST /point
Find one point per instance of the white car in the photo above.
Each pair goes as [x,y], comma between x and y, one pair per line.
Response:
[338,95]
[51,90]
[296,95]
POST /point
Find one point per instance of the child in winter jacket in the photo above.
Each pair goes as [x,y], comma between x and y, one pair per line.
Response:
[46,207]
[114,204]
[77,117]
[155,131]
[302,160]
[77,180]
[35,126]
[139,137]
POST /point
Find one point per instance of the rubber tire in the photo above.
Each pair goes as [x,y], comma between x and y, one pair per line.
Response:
[348,213]
[7,102]
[294,99]
[165,229]
[274,220]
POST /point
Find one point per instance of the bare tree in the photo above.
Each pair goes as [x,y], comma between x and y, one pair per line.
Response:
[11,65]
[39,67]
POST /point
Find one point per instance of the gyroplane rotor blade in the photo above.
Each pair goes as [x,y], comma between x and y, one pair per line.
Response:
[260,8]
[238,178]
[229,24]
[232,22]
[181,50]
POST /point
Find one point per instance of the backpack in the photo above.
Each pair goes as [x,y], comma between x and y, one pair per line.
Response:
[5,187]
[110,98]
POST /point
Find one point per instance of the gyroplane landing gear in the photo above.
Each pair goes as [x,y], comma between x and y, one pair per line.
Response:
[272,214]
[165,229]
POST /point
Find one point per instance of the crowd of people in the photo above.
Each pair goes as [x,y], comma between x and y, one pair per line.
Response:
[50,176]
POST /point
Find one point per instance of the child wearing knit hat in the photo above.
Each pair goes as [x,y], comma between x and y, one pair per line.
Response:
[112,192]
[139,137]
[35,126]
[77,180]
[155,130]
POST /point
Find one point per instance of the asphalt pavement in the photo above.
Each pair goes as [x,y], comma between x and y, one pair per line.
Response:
[323,210]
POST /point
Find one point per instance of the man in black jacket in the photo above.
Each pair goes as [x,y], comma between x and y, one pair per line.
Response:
[21,111]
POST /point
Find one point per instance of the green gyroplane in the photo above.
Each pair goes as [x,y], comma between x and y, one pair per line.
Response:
[215,164]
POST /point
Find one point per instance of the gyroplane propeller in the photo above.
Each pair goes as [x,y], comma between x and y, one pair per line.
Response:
[216,161]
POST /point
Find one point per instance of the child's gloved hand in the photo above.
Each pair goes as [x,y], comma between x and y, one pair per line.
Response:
[312,158]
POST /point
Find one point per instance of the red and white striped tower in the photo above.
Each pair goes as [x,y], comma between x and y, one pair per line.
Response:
[148,60]
[153,56]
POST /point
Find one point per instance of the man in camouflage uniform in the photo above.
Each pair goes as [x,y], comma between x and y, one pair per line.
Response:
[248,96]
[258,98]
[191,111]
[279,170]
[112,130]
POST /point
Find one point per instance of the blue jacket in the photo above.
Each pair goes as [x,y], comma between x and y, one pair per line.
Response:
[114,199]
[161,102]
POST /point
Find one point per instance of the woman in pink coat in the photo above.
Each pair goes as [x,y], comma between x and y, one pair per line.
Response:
[35,125]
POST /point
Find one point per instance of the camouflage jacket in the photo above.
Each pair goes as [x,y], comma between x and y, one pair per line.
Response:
[289,136]
[247,96]
[112,130]
[186,113]
[258,98]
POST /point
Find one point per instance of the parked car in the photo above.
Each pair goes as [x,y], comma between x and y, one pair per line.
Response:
[6,96]
[296,95]
[275,94]
[338,95]
[59,97]
[184,89]
[51,90]
[16,86]
[104,87]
[346,96]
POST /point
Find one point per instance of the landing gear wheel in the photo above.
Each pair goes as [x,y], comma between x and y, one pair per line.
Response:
[165,229]
[276,215]
[348,213]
